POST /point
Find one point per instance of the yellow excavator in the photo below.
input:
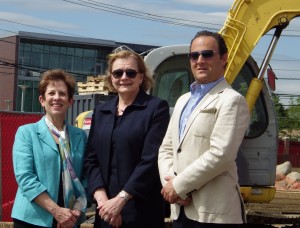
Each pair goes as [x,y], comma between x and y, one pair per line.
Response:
[247,21]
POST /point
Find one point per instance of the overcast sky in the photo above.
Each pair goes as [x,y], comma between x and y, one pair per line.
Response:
[154,22]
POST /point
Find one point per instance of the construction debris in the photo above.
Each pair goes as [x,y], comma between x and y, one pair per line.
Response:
[286,177]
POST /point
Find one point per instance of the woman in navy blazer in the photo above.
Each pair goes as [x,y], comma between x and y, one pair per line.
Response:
[122,150]
[37,161]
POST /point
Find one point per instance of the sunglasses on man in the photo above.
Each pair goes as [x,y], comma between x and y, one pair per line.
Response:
[206,54]
[130,73]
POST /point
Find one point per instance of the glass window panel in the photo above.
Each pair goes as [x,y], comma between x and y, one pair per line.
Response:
[36,106]
[53,61]
[37,48]
[88,66]
[70,51]
[45,64]
[46,48]
[28,97]
[21,49]
[36,59]
[100,68]
[63,50]
[26,58]
[27,47]
[99,54]
[54,49]
[173,79]
[89,53]
[63,61]
[77,65]
[78,52]
[172,84]
[69,66]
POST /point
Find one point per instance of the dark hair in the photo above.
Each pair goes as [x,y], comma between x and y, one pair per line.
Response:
[147,83]
[220,40]
[57,75]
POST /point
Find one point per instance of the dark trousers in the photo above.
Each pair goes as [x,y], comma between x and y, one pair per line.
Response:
[184,222]
[21,224]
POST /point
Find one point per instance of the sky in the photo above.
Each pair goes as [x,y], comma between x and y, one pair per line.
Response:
[152,22]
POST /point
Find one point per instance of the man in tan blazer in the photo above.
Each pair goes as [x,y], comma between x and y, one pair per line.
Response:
[197,156]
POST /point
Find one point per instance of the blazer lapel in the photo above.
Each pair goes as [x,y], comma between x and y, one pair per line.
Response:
[74,138]
[45,135]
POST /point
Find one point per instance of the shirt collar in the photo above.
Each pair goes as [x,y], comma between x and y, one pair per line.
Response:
[203,89]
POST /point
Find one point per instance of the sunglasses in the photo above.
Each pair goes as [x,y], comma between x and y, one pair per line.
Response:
[130,73]
[206,54]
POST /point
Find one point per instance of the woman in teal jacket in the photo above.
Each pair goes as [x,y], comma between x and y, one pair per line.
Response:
[48,161]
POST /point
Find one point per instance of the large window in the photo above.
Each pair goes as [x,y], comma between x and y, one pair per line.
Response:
[81,62]
[35,57]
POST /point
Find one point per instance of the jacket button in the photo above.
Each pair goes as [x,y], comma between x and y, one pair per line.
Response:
[179,150]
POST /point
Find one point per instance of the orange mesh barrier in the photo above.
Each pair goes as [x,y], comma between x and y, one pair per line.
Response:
[9,123]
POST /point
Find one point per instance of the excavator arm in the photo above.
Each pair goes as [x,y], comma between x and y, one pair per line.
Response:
[247,21]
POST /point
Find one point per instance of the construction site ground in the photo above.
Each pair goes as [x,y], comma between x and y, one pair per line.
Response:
[282,211]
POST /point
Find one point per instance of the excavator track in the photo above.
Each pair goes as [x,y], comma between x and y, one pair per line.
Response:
[283,209]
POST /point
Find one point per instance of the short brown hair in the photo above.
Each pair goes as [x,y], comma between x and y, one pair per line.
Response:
[57,75]
[147,83]
[218,37]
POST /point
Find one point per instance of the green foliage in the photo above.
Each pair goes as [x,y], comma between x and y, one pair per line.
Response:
[288,118]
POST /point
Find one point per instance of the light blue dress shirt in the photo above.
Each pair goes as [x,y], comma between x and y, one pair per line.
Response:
[198,91]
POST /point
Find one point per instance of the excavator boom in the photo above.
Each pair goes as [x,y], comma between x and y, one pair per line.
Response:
[247,21]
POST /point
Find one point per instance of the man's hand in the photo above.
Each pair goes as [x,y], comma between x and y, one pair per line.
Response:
[168,191]
[183,202]
[171,195]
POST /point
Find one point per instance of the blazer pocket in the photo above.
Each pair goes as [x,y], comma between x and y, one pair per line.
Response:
[209,110]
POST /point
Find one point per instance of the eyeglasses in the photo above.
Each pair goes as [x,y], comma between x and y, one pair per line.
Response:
[130,73]
[206,54]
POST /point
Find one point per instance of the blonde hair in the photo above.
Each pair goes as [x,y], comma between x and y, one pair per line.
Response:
[148,81]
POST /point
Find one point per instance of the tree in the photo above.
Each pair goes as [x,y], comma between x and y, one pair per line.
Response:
[294,118]
[288,119]
[282,117]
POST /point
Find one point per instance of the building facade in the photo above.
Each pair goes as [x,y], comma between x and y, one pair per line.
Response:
[25,56]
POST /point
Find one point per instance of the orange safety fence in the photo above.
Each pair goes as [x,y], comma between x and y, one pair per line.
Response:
[9,123]
[289,151]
